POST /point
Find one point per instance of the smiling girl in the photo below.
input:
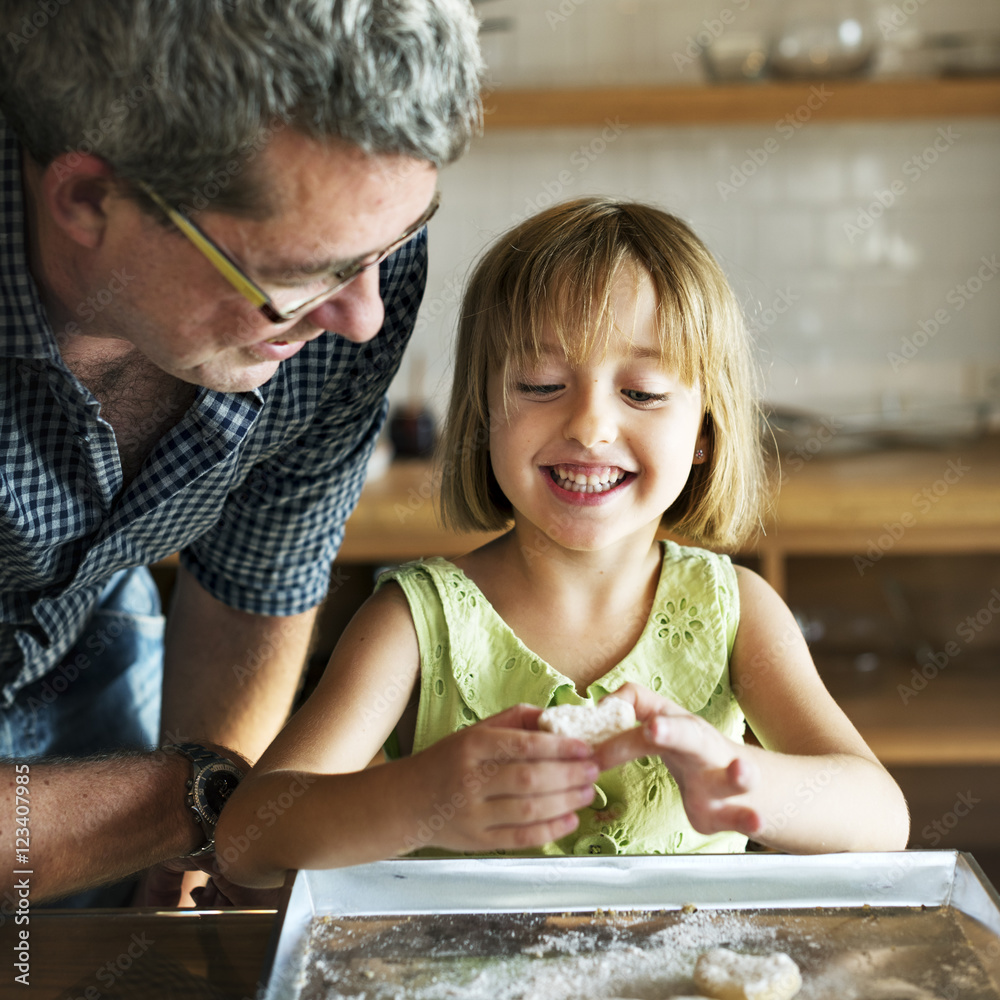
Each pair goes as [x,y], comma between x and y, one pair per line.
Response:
[603,393]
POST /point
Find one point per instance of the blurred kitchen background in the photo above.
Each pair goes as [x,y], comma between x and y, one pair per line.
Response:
[863,251]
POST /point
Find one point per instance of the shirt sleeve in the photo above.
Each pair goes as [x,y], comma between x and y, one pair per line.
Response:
[271,550]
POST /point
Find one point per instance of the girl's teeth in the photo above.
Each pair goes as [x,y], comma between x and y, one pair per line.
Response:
[281,343]
[580,482]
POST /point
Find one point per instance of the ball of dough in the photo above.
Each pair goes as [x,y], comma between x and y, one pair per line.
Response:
[728,975]
[591,723]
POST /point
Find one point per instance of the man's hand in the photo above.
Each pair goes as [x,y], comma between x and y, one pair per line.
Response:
[220,893]
[169,885]
[711,771]
[196,882]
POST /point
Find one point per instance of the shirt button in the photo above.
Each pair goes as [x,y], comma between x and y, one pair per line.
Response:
[599,843]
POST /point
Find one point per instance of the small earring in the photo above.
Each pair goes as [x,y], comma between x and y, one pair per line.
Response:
[699,454]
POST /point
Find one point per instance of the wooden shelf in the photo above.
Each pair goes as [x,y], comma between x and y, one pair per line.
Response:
[795,102]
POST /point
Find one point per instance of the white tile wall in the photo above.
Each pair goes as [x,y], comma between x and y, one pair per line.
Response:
[833,281]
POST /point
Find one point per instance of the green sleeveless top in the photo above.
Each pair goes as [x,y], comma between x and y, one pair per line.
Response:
[473,666]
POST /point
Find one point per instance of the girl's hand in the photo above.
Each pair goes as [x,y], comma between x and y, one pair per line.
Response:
[500,785]
[711,771]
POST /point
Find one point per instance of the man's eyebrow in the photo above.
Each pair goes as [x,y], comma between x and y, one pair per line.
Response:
[315,268]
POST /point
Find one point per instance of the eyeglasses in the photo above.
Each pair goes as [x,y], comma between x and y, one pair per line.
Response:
[256,295]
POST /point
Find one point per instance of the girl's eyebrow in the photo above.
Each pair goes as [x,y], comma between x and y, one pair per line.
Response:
[633,352]
[645,353]
[637,352]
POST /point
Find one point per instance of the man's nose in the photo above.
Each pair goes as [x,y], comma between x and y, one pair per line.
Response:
[356,312]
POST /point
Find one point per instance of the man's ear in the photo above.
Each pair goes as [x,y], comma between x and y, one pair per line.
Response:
[76,189]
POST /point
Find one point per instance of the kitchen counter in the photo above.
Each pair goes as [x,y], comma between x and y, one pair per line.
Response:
[865,504]
[145,953]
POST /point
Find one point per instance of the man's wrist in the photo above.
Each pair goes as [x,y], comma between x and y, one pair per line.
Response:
[187,835]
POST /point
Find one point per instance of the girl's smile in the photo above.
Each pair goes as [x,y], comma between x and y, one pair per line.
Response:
[586,484]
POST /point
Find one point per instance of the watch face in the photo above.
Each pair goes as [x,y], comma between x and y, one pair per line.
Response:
[216,784]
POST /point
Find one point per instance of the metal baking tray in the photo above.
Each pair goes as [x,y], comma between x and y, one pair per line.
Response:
[915,925]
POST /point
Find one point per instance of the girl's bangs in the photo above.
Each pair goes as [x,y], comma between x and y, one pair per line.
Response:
[571,301]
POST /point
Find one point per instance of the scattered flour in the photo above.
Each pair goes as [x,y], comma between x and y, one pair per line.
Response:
[637,955]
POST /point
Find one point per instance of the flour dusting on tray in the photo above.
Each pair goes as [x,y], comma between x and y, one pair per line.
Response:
[860,953]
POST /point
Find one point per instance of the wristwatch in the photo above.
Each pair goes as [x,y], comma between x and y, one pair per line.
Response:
[212,782]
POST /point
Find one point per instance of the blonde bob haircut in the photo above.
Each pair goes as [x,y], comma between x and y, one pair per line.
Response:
[553,274]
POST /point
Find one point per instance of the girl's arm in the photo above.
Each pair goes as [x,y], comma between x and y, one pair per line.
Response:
[812,786]
[312,802]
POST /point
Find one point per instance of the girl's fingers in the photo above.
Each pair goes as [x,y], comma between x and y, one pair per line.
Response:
[520,837]
[689,741]
[742,819]
[529,780]
[520,822]
[743,775]
[528,811]
[623,747]
[505,745]
[516,717]
[682,740]
[647,703]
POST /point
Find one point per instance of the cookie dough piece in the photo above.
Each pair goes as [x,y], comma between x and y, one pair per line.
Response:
[591,723]
[728,975]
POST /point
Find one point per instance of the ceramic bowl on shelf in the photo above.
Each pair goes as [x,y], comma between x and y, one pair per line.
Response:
[817,39]
[736,57]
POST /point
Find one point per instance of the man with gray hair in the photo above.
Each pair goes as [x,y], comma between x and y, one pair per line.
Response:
[212,252]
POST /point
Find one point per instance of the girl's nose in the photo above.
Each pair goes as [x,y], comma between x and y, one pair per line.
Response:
[355,312]
[591,419]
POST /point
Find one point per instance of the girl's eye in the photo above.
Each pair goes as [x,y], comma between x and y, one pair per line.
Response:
[533,389]
[638,396]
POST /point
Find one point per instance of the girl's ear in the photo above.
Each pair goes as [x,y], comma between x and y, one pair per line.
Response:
[75,188]
[703,443]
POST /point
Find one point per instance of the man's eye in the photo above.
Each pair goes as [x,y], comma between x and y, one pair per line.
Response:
[535,389]
[639,396]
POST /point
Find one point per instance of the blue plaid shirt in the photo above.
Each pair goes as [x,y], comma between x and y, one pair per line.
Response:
[252,488]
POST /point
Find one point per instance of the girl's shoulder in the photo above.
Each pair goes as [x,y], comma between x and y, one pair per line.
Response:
[698,564]
[700,584]
[439,592]
[417,571]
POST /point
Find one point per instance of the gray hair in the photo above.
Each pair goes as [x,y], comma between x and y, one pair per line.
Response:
[183,95]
